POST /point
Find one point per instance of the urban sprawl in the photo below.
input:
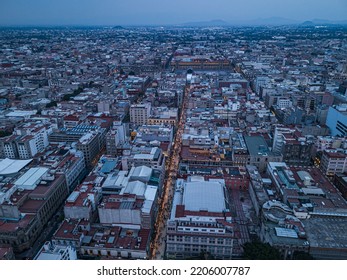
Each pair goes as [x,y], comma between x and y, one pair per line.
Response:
[173,142]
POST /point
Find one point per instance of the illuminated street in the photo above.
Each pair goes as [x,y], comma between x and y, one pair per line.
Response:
[172,165]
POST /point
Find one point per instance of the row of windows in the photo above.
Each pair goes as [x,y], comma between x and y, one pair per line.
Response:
[197,239]
[200,230]
[196,248]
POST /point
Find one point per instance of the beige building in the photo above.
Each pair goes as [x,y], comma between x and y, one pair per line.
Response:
[139,113]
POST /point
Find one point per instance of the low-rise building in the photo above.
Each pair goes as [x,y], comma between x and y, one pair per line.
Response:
[83,201]
[200,220]
[50,251]
[259,152]
[29,203]
[333,162]
[103,241]
[6,252]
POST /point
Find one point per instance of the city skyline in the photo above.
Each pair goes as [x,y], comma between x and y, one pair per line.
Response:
[156,12]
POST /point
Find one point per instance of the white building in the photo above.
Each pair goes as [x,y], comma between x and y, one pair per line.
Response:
[200,220]
[53,252]
[27,140]
[132,201]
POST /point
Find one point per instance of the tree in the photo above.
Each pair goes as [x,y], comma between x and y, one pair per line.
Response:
[257,250]
[204,255]
[299,255]
[51,104]
[4,133]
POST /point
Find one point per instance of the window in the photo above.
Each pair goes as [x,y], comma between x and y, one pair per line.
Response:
[187,238]
[179,247]
[220,241]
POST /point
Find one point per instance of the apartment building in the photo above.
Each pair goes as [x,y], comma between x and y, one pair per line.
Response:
[333,162]
[139,113]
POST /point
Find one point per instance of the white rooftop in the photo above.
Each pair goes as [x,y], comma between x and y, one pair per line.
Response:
[151,192]
[19,113]
[136,187]
[11,166]
[144,156]
[46,256]
[142,172]
[86,138]
[116,180]
[208,196]
[286,232]
[30,179]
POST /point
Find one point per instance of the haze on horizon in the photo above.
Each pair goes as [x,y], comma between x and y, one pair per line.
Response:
[163,12]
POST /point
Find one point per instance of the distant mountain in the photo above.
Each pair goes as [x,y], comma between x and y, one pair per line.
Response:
[272,21]
[117,27]
[323,22]
[256,22]
[216,22]
[308,23]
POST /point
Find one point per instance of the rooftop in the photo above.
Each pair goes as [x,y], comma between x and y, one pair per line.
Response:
[31,178]
[326,232]
[12,166]
[257,146]
[207,196]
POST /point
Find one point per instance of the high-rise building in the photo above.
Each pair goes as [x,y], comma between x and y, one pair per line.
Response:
[139,113]
[89,144]
[337,120]
[294,147]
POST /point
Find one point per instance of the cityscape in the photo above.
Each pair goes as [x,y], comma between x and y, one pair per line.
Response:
[177,142]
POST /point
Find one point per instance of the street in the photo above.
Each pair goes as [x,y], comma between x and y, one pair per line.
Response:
[171,170]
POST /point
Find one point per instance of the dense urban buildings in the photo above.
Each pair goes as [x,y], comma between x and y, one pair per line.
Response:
[173,142]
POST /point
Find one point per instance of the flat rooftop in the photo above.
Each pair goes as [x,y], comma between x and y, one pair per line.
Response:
[204,195]
[257,146]
[326,232]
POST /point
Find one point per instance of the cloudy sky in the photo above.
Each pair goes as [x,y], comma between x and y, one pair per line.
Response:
[134,12]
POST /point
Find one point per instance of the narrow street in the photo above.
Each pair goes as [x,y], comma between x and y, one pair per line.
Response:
[171,170]
[241,221]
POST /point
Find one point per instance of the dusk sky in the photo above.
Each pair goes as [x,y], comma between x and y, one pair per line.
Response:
[136,12]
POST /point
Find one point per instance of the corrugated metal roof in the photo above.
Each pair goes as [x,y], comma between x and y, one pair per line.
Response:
[136,187]
[31,178]
[11,166]
[142,171]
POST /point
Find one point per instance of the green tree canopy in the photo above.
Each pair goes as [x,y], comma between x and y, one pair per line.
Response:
[260,251]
